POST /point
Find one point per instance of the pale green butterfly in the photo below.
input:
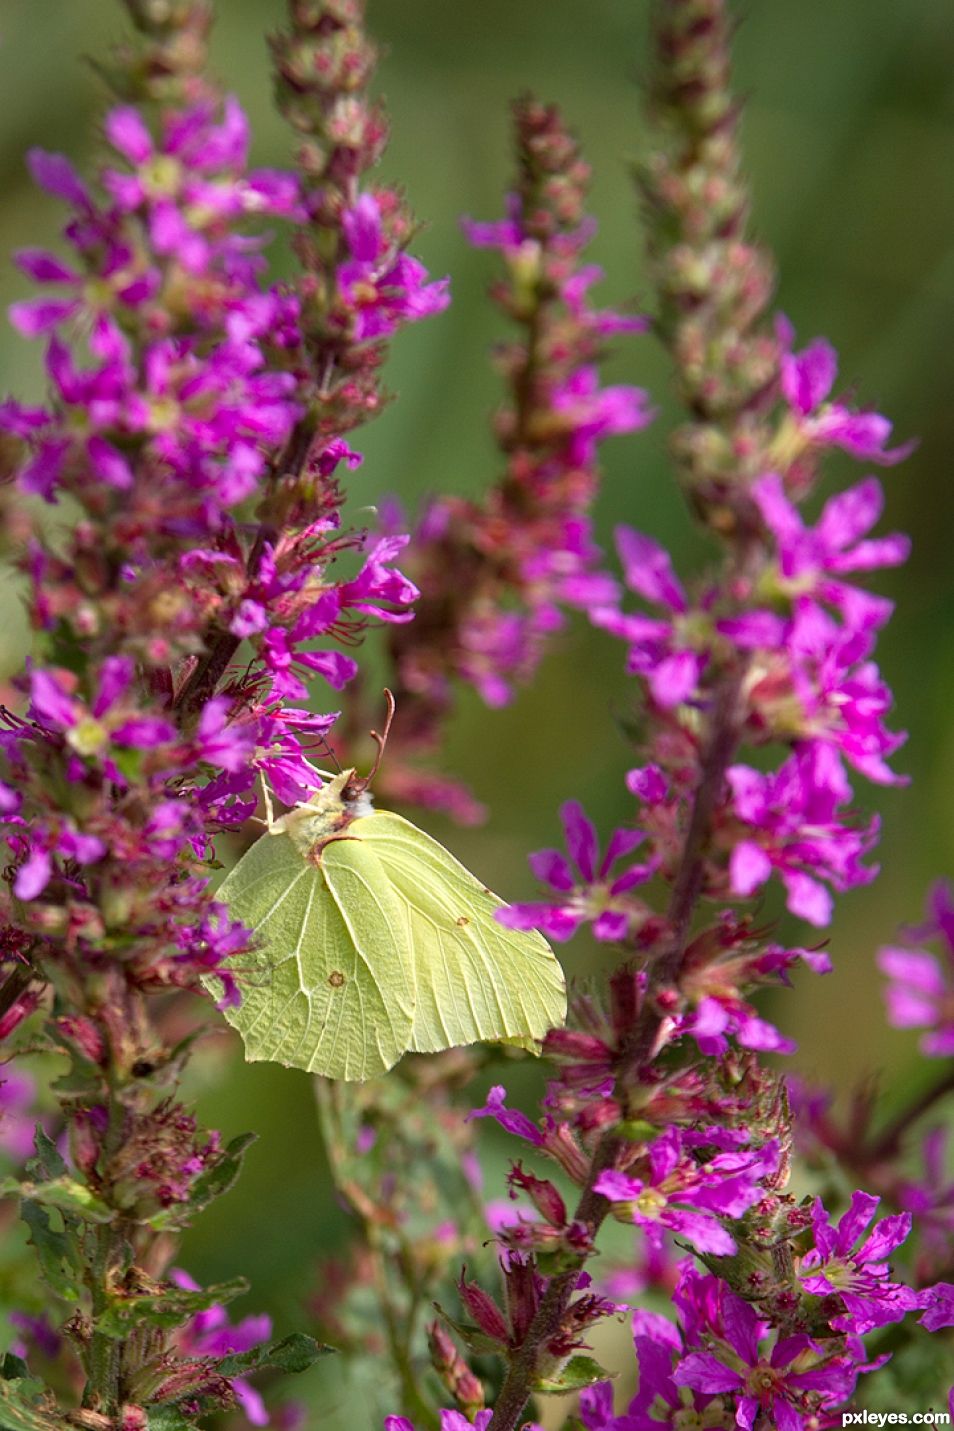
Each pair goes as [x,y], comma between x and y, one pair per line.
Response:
[372,940]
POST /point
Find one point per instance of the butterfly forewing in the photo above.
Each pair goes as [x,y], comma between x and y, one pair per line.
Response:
[475,979]
[327,989]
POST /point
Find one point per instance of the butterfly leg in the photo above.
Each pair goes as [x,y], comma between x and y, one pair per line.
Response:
[269,822]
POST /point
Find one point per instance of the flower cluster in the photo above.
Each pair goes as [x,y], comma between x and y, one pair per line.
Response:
[201,592]
[721,1366]
[191,393]
[498,574]
[757,701]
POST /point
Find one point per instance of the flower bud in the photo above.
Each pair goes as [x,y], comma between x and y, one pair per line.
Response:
[484,1310]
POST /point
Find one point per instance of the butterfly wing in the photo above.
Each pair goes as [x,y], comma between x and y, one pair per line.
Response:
[475,979]
[326,989]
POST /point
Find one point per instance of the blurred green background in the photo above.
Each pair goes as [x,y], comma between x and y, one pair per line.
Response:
[849,136]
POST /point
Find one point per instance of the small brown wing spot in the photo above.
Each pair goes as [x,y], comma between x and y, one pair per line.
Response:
[487,891]
[463,920]
[336,979]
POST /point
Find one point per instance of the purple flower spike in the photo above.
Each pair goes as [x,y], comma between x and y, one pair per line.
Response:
[588,893]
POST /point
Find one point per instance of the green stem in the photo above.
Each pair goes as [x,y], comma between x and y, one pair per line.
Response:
[887,1143]
[102,1386]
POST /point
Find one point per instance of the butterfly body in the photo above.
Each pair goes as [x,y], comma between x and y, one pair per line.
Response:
[371,940]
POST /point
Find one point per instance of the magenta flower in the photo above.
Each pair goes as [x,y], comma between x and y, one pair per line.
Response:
[587,891]
[510,1119]
[792,1382]
[937,1305]
[201,160]
[207,945]
[920,991]
[857,1271]
[506,234]
[795,829]
[686,1197]
[807,380]
[17,1113]
[382,286]
[720,968]
[670,653]
[811,560]
[450,1421]
[659,1403]
[41,846]
[838,693]
[592,413]
[210,1334]
[109,720]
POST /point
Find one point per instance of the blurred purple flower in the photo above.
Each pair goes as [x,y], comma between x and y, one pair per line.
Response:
[920,991]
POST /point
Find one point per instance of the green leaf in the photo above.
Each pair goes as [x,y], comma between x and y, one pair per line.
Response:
[13,1368]
[210,1185]
[48,1163]
[24,1407]
[64,1193]
[169,1418]
[55,1251]
[165,1307]
[579,1371]
[293,1353]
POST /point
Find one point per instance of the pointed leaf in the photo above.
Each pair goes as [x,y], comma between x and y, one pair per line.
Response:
[24,1407]
[580,1371]
[55,1251]
[164,1306]
[293,1353]
[210,1185]
[48,1162]
[64,1193]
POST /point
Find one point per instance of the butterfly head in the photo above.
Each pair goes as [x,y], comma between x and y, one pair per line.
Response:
[329,812]
[326,816]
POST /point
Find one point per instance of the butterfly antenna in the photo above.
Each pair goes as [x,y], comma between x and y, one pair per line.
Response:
[380,739]
[329,751]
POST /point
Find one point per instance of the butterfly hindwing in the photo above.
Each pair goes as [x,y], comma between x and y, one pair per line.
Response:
[475,979]
[328,987]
